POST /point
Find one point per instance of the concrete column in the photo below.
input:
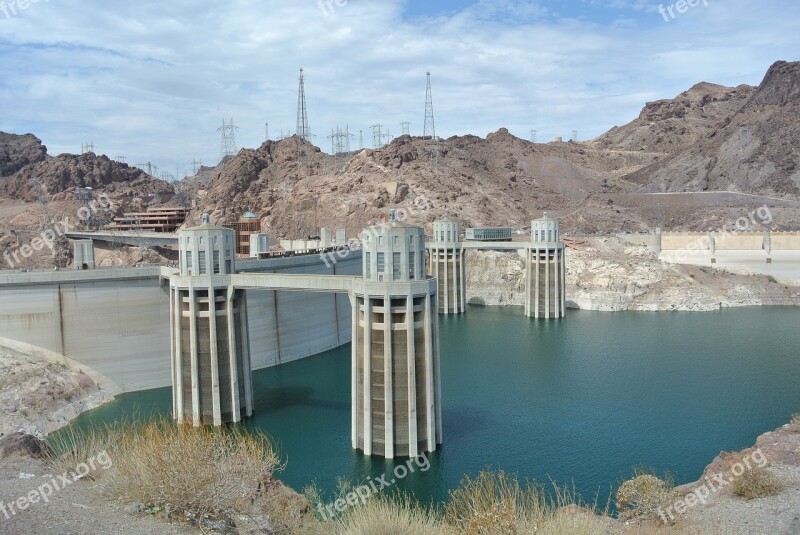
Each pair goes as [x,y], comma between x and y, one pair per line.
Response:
[547,266]
[536,311]
[557,281]
[176,317]
[412,380]
[433,326]
[657,246]
[367,375]
[276,327]
[430,384]
[194,357]
[354,371]
[463,279]
[232,352]
[212,330]
[563,281]
[528,288]
[446,281]
[245,359]
[388,380]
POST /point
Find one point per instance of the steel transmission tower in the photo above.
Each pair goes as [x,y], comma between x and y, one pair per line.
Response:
[302,111]
[377,136]
[406,126]
[430,127]
[228,139]
[340,141]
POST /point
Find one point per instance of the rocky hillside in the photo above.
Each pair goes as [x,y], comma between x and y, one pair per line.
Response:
[756,149]
[709,138]
[498,180]
[25,157]
[670,125]
[17,152]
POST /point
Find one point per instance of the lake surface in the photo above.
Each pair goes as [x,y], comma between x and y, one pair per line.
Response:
[580,400]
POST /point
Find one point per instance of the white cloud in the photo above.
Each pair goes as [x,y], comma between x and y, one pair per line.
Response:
[153,80]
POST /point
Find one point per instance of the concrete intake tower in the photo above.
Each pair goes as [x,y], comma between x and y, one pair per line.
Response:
[211,375]
[396,404]
[447,265]
[396,388]
[545,276]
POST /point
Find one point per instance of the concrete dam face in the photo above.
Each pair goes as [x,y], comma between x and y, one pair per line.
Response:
[117,322]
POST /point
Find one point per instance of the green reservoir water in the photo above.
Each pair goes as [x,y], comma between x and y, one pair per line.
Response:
[580,400]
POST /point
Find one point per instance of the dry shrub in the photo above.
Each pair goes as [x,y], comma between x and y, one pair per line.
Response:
[389,516]
[496,503]
[198,473]
[644,495]
[796,421]
[757,482]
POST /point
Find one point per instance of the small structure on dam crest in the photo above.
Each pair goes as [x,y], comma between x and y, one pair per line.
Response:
[396,405]
[545,276]
[447,265]
[211,375]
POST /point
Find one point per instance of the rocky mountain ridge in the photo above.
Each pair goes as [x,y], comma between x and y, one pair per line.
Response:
[23,158]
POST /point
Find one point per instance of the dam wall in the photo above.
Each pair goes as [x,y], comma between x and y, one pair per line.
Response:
[768,253]
[116,321]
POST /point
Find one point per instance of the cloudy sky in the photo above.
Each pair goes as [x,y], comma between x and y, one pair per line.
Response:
[153,80]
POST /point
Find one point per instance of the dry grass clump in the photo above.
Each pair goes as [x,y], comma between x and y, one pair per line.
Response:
[390,516]
[757,482]
[796,421]
[644,495]
[496,503]
[198,474]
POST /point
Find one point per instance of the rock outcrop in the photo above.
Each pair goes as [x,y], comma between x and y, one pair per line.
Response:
[17,152]
[606,274]
[756,149]
[23,158]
